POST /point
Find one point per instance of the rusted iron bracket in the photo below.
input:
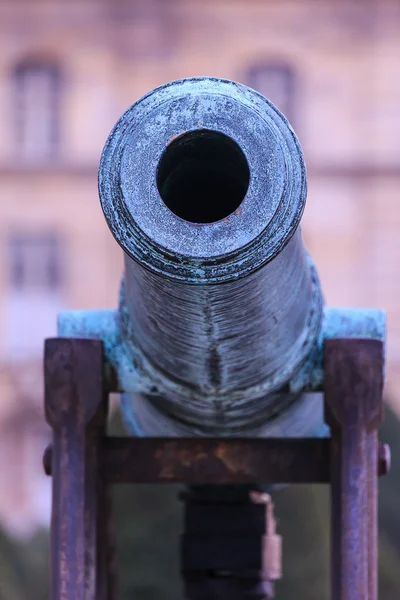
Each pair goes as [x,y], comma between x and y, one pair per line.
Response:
[215,460]
[353,402]
[76,410]
[83,460]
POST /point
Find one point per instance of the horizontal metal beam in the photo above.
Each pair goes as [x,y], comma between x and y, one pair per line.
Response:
[217,460]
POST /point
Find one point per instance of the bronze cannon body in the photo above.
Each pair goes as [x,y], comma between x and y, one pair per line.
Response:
[221,319]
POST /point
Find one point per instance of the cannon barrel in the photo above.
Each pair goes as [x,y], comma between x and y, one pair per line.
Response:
[221,324]
[203,184]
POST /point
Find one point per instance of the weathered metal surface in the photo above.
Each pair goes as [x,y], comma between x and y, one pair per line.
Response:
[230,247]
[83,460]
[229,546]
[217,461]
[371,537]
[213,460]
[75,407]
[221,326]
[125,370]
[203,184]
[360,323]
[353,395]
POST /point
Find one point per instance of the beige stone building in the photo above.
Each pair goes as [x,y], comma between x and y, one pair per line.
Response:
[69,69]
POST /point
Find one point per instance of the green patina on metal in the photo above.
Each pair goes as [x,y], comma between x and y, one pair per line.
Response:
[127,367]
[221,322]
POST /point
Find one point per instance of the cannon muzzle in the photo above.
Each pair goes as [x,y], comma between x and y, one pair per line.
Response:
[221,319]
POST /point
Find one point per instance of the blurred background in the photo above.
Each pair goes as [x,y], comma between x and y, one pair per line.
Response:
[68,69]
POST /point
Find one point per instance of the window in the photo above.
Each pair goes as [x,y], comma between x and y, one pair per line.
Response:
[35,262]
[34,294]
[276,82]
[36,105]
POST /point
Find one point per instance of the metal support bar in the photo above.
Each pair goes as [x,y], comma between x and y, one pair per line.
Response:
[215,460]
[353,402]
[76,409]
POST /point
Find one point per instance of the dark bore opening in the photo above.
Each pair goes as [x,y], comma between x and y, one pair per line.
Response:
[203,176]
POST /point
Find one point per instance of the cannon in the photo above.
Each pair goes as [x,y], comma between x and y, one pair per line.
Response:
[221,320]
[221,325]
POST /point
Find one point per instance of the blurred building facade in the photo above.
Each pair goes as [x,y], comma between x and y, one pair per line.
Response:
[67,72]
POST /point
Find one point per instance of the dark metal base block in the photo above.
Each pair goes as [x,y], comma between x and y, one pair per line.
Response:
[229,548]
[219,588]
